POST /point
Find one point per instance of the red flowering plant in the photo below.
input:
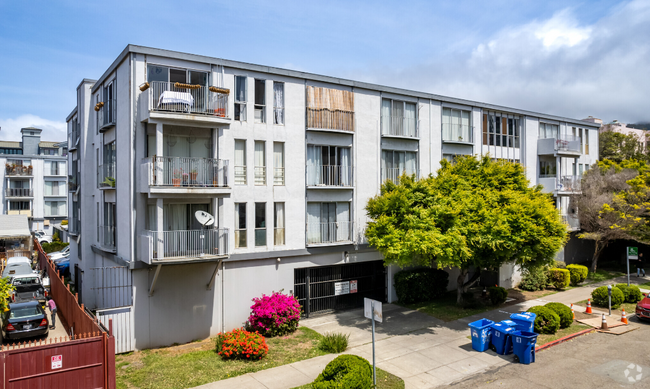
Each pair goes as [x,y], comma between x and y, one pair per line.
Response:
[241,344]
[274,315]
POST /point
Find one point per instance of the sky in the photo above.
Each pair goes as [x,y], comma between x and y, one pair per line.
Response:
[566,58]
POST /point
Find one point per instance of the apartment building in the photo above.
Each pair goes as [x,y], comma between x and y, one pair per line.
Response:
[284,162]
[35,179]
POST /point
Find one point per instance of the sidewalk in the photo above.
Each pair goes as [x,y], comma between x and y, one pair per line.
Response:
[423,351]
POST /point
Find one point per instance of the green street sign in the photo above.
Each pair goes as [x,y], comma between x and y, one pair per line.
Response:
[633,253]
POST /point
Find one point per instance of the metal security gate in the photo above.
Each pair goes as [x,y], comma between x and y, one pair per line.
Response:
[323,289]
[122,327]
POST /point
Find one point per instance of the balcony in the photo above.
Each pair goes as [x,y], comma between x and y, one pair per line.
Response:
[26,212]
[571,221]
[17,170]
[402,127]
[18,192]
[106,176]
[565,184]
[182,102]
[107,237]
[457,133]
[330,233]
[563,145]
[332,176]
[185,175]
[184,245]
[107,115]
[73,183]
[74,137]
[394,174]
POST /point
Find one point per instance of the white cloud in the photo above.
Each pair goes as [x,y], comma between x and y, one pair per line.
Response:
[52,130]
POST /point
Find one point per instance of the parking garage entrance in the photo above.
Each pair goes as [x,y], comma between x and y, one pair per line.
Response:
[329,288]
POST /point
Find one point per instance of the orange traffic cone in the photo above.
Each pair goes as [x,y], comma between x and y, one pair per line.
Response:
[603,325]
[572,312]
[624,318]
[588,306]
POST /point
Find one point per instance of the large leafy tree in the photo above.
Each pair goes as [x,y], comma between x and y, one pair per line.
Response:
[475,213]
[618,147]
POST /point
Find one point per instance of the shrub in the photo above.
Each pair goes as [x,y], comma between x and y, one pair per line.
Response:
[578,273]
[334,342]
[498,295]
[600,297]
[54,246]
[55,236]
[64,222]
[241,344]
[547,321]
[423,284]
[564,312]
[533,279]
[345,371]
[560,278]
[631,294]
[274,315]
[560,265]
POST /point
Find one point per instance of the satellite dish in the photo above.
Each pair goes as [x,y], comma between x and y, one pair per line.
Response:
[204,218]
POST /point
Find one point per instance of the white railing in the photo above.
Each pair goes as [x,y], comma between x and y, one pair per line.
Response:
[329,175]
[18,192]
[194,99]
[278,176]
[260,175]
[106,175]
[399,126]
[394,174]
[568,184]
[187,243]
[318,233]
[240,175]
[457,133]
[107,236]
[187,172]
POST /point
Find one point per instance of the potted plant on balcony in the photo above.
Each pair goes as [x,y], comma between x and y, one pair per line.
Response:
[109,181]
[7,168]
[176,180]
[215,177]
[186,178]
[29,169]
[193,174]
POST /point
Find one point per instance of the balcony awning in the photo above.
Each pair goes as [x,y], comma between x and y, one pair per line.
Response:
[14,227]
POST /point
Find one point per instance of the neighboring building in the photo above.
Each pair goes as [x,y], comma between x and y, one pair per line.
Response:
[35,179]
[285,161]
[616,126]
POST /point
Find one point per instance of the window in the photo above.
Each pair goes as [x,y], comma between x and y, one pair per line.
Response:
[278,163]
[240,225]
[580,167]
[586,167]
[55,208]
[398,118]
[107,169]
[547,169]
[581,140]
[163,74]
[19,205]
[278,103]
[240,162]
[456,125]
[240,98]
[260,99]
[278,224]
[547,130]
[395,163]
[260,224]
[329,166]
[108,109]
[107,230]
[328,223]
[330,109]
[260,163]
[586,142]
[500,129]
[55,188]
[54,168]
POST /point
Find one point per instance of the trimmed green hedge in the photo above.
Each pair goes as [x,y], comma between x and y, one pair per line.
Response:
[547,321]
[498,295]
[345,371]
[632,293]
[54,246]
[600,297]
[578,273]
[422,284]
[533,279]
[560,278]
[564,312]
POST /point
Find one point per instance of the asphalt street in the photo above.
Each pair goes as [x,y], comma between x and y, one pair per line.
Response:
[595,360]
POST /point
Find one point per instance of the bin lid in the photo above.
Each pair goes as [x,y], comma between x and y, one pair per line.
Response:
[509,323]
[481,323]
[525,316]
[502,327]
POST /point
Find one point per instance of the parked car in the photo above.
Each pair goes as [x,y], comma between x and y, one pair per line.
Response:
[61,258]
[58,254]
[28,287]
[643,308]
[13,260]
[63,266]
[15,269]
[24,320]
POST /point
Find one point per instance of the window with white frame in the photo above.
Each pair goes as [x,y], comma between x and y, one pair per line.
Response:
[329,166]
[586,141]
[278,102]
[260,162]
[240,98]
[54,168]
[500,129]
[55,208]
[260,101]
[547,168]
[55,188]
[456,125]
[278,163]
[394,163]
[260,224]
[240,162]
[278,224]
[240,225]
[398,118]
[329,222]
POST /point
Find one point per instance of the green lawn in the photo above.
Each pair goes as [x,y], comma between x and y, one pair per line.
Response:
[542,339]
[385,380]
[173,368]
[445,308]
[645,286]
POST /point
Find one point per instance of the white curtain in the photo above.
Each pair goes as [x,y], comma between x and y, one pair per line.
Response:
[240,88]
[48,188]
[409,122]
[346,174]
[175,217]
[279,215]
[62,168]
[278,155]
[259,154]
[313,223]
[446,124]
[385,116]
[240,153]
[314,164]
[397,118]
[386,164]
[464,121]
[48,208]
[47,166]
[278,102]
[411,163]
[152,217]
[399,159]
[343,222]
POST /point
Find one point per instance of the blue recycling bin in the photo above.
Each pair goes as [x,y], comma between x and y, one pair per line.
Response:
[524,321]
[523,345]
[509,323]
[481,331]
[500,339]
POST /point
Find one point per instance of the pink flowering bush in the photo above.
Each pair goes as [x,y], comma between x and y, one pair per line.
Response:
[274,315]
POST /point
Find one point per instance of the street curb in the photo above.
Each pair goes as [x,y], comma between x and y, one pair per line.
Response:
[564,339]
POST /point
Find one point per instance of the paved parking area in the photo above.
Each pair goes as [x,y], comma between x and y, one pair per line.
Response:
[58,332]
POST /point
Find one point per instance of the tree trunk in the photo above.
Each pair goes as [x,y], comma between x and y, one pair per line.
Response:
[461,286]
[594,260]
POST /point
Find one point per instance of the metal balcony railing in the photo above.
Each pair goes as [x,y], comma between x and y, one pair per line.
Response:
[187,172]
[319,233]
[187,243]
[19,192]
[278,176]
[260,175]
[240,175]
[568,184]
[17,170]
[329,175]
[399,126]
[107,236]
[106,175]
[457,133]
[394,174]
[185,98]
